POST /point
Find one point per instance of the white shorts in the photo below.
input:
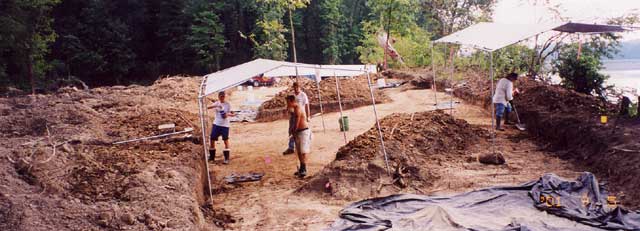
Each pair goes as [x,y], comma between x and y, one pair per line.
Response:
[303,141]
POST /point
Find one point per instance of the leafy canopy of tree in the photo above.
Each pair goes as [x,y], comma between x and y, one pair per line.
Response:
[106,42]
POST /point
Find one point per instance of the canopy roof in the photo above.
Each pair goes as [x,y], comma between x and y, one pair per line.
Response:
[493,36]
[236,75]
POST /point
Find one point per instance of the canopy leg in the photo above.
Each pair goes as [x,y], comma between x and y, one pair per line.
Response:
[204,146]
[324,129]
[493,109]
[375,113]
[453,69]
[344,130]
[433,69]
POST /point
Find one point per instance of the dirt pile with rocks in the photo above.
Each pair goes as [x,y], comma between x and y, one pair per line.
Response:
[416,145]
[354,92]
[568,123]
[60,171]
[412,79]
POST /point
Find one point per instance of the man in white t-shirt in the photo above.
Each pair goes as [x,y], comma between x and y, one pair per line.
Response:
[221,126]
[303,101]
[502,98]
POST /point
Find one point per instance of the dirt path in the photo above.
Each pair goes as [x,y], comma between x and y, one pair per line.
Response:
[270,204]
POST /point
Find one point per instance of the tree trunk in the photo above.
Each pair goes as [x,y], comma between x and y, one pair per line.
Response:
[293,41]
[386,44]
[30,74]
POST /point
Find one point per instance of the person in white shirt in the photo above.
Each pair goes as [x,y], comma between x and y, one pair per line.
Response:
[303,102]
[502,98]
[221,126]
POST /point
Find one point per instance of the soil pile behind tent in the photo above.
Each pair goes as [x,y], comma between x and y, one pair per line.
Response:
[85,182]
[416,80]
[354,92]
[414,142]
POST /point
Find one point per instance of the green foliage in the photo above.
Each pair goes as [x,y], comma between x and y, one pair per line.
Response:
[581,74]
[331,29]
[415,48]
[25,35]
[444,17]
[268,38]
[207,38]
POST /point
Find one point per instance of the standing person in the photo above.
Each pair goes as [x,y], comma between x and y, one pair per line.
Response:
[301,134]
[303,101]
[502,98]
[221,126]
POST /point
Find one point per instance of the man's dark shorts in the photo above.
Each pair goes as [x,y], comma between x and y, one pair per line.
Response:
[218,131]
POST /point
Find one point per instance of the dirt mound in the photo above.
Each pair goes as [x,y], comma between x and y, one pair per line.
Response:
[415,143]
[570,123]
[417,80]
[354,92]
[59,157]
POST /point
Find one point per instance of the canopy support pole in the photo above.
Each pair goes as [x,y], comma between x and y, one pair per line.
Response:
[344,131]
[204,146]
[375,113]
[433,69]
[493,109]
[324,129]
[318,79]
[453,69]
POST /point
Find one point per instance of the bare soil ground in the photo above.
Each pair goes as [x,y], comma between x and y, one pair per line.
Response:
[354,92]
[277,202]
[60,171]
[90,184]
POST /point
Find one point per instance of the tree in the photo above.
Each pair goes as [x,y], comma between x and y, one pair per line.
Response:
[394,16]
[331,29]
[444,17]
[581,74]
[207,38]
[26,31]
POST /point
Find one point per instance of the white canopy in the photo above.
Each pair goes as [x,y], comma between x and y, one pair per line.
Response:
[239,74]
[493,36]
[490,36]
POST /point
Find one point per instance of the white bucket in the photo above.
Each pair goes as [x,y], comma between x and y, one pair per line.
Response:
[240,88]
[381,83]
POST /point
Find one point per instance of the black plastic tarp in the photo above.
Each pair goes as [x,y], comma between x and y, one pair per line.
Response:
[550,203]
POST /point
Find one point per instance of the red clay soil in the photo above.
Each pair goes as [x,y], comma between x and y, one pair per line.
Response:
[354,92]
[415,143]
[568,123]
[89,184]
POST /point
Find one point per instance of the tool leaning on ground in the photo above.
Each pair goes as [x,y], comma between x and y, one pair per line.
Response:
[519,125]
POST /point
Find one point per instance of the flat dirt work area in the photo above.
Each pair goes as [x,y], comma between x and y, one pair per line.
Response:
[281,202]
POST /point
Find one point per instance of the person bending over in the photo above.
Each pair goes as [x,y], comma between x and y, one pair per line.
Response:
[502,98]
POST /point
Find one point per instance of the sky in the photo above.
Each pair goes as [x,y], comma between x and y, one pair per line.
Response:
[587,11]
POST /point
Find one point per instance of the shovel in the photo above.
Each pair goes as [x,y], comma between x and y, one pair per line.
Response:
[519,125]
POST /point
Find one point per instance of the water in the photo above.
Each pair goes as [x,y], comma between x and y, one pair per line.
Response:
[624,74]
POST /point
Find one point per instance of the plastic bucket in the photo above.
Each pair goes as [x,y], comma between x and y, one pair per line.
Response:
[344,123]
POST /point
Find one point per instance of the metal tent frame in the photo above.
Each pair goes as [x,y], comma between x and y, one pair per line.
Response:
[203,112]
[509,34]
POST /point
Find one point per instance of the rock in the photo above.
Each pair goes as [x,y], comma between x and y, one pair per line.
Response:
[104,218]
[67,148]
[492,158]
[128,219]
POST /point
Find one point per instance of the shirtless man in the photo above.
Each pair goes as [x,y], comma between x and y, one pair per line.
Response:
[301,134]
